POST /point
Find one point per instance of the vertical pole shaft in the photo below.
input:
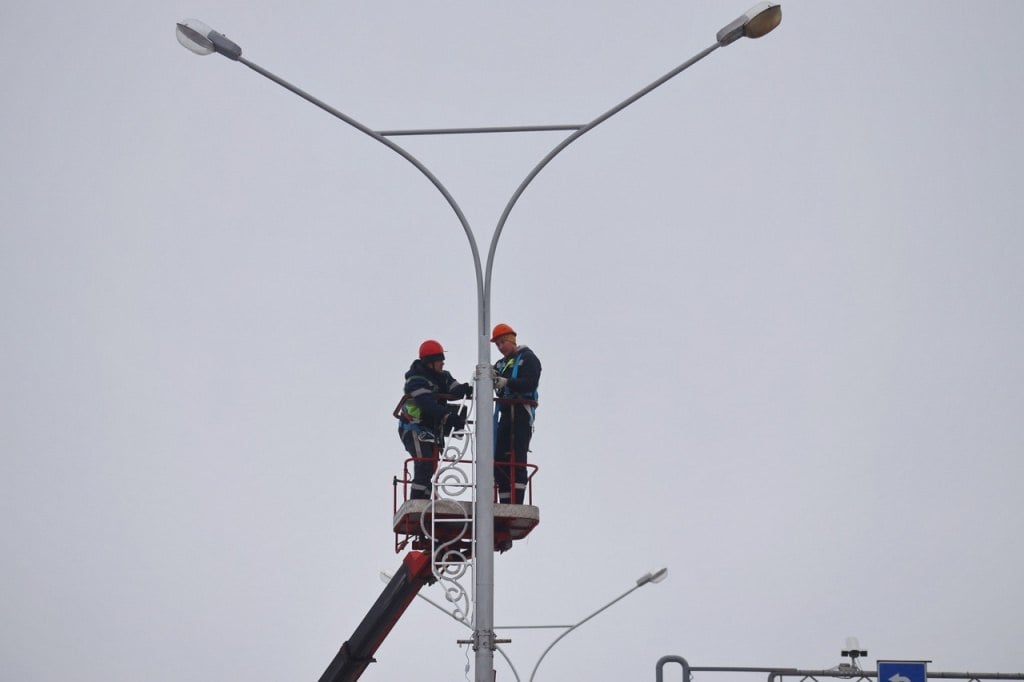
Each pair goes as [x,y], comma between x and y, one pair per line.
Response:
[483,513]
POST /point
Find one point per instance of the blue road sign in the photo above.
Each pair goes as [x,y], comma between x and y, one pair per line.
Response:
[902,671]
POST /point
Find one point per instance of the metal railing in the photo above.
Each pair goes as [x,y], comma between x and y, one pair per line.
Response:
[843,671]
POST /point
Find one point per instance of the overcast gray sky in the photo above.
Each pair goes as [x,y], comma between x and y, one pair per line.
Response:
[778,303]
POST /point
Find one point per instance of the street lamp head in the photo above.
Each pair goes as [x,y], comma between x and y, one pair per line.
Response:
[203,40]
[655,577]
[764,20]
[757,21]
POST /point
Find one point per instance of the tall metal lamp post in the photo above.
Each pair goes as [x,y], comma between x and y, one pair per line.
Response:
[203,40]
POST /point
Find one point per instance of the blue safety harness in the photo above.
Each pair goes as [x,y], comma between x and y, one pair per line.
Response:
[516,361]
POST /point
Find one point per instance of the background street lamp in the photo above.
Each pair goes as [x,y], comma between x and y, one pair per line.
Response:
[645,579]
[203,40]
[648,578]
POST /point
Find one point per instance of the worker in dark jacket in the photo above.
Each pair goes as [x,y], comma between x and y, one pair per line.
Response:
[517,375]
[426,417]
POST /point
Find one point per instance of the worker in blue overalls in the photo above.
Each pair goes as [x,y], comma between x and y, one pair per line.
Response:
[516,377]
[425,416]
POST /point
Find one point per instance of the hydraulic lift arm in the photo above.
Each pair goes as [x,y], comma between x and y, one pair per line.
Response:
[357,653]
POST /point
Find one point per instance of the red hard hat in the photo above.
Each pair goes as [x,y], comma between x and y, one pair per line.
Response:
[431,347]
[500,330]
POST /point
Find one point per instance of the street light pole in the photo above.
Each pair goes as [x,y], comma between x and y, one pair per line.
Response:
[645,579]
[201,39]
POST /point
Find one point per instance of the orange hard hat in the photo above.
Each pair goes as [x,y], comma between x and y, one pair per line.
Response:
[431,347]
[500,330]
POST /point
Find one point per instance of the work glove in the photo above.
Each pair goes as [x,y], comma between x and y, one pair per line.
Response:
[456,422]
[500,383]
[463,391]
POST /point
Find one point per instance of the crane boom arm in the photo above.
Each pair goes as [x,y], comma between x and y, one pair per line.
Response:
[357,653]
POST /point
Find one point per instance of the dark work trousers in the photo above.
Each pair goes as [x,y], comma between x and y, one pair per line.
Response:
[424,466]
[512,440]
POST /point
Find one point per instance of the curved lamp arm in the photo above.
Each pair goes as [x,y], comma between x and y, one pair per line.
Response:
[565,143]
[655,577]
[201,39]
[758,21]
